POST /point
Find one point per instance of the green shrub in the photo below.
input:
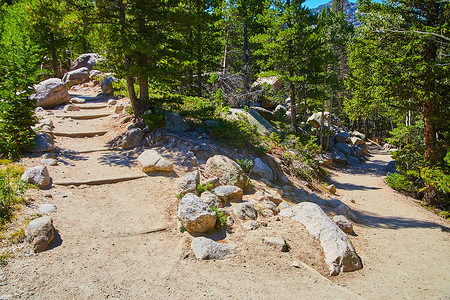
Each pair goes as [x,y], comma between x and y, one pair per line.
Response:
[154,118]
[11,190]
[202,189]
[221,218]
[246,164]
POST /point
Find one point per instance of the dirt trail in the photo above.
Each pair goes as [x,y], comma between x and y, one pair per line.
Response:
[405,249]
[103,248]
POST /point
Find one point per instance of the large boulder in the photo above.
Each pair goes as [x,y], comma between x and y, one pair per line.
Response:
[338,157]
[107,85]
[254,118]
[205,248]
[39,233]
[37,175]
[132,138]
[227,170]
[43,142]
[151,161]
[265,113]
[262,170]
[75,77]
[86,60]
[189,183]
[340,255]
[343,148]
[316,119]
[272,81]
[50,93]
[245,211]
[342,137]
[175,123]
[211,199]
[195,215]
[228,193]
[357,141]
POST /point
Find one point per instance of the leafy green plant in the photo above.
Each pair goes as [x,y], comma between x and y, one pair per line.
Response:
[221,218]
[4,258]
[246,164]
[202,189]
[182,228]
[12,190]
[154,118]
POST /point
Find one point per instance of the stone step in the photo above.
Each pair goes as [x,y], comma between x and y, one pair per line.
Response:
[80,134]
[84,116]
[97,150]
[92,105]
[97,181]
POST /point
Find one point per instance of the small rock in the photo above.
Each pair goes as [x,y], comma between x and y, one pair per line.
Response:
[277,243]
[211,200]
[332,188]
[229,193]
[230,221]
[49,155]
[151,161]
[49,162]
[43,143]
[251,225]
[344,224]
[77,100]
[47,208]
[267,213]
[295,264]
[212,182]
[189,183]
[283,205]
[37,175]
[205,248]
[245,211]
[107,85]
[195,215]
[132,138]
[39,233]
[119,107]
[71,107]
[112,102]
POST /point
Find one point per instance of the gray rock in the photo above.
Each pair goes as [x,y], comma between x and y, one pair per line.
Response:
[316,119]
[77,100]
[205,248]
[47,208]
[43,142]
[119,107]
[342,137]
[175,123]
[150,161]
[277,243]
[324,159]
[262,170]
[75,77]
[229,193]
[357,141]
[86,60]
[107,85]
[262,125]
[195,215]
[352,160]
[274,196]
[132,138]
[49,162]
[338,249]
[37,175]
[189,183]
[359,135]
[39,233]
[343,223]
[245,211]
[112,102]
[343,148]
[211,200]
[227,170]
[251,225]
[50,93]
[283,205]
[338,157]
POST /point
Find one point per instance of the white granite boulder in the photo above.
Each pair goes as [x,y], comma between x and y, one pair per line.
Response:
[195,215]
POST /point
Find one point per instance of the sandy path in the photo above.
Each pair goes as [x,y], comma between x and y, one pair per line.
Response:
[102,249]
[405,253]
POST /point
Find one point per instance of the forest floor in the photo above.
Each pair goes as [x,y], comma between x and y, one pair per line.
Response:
[109,242]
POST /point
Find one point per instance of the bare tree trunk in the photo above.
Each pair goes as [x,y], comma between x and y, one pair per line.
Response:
[245,56]
[55,63]
[225,53]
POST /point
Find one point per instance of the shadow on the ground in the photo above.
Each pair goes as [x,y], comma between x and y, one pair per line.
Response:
[65,156]
[351,186]
[118,158]
[57,241]
[368,219]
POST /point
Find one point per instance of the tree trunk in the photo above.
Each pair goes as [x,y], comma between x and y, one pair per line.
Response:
[225,53]
[143,93]
[55,63]
[199,51]
[245,56]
